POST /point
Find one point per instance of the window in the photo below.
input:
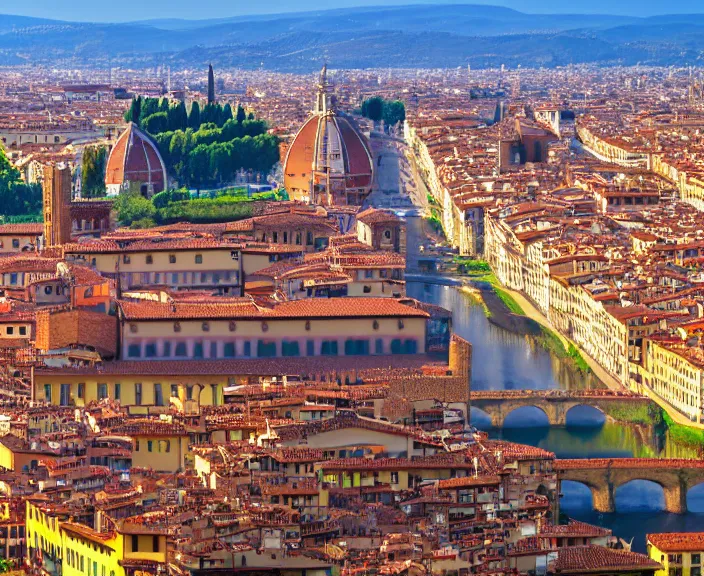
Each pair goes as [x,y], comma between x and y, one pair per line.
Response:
[369,273]
[81,390]
[214,394]
[15,243]
[266,349]
[189,392]
[150,350]
[309,238]
[102,391]
[290,348]
[150,445]
[247,349]
[172,258]
[149,259]
[695,571]
[229,350]
[356,347]
[410,347]
[134,351]
[65,398]
[117,390]
[181,349]
[10,330]
[174,390]
[13,278]
[135,542]
[379,346]
[47,290]
[298,238]
[174,278]
[396,346]
[328,348]
[394,477]
[198,350]
[158,396]
[138,394]
[125,259]
[213,349]
[696,559]
[199,258]
[23,330]
[166,349]
[310,348]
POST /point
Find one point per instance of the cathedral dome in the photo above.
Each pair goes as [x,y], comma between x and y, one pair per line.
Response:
[329,161]
[135,164]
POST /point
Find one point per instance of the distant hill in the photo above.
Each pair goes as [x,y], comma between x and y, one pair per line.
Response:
[390,36]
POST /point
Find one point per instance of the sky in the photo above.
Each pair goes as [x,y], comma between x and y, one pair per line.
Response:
[131,10]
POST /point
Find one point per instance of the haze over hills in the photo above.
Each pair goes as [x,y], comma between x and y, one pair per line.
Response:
[446,35]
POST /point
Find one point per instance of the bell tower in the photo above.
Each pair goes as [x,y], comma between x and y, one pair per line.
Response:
[56,191]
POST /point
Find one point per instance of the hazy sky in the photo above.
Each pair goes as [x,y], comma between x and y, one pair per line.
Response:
[129,10]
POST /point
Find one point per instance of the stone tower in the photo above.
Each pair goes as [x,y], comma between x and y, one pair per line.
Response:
[57,204]
[211,85]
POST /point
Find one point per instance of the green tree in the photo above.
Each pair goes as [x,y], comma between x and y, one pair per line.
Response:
[134,111]
[373,108]
[226,113]
[394,111]
[93,171]
[156,123]
[241,115]
[178,117]
[16,197]
[194,116]
[132,206]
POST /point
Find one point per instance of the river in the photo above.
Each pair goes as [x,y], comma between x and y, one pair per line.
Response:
[505,361]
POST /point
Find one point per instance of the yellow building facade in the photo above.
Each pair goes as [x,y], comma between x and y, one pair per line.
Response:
[679,554]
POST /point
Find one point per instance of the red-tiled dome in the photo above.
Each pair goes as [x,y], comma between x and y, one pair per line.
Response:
[135,164]
[329,161]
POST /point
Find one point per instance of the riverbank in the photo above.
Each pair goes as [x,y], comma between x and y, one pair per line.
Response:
[512,311]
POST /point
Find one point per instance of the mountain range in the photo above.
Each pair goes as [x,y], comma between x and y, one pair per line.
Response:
[413,36]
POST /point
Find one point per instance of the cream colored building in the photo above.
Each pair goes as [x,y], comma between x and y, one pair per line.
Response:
[674,372]
[239,328]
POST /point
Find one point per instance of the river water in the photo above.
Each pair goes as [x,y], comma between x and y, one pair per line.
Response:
[505,361]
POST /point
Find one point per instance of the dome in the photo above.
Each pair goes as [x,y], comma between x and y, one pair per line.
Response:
[135,164]
[329,161]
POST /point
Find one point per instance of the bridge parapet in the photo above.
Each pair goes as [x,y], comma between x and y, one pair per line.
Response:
[554,403]
[604,475]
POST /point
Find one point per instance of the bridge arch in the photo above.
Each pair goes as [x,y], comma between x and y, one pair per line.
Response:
[580,495]
[640,495]
[535,414]
[584,416]
[479,418]
[695,497]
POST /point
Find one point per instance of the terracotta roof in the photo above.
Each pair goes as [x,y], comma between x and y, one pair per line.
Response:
[28,229]
[251,366]
[135,158]
[245,308]
[599,559]
[677,541]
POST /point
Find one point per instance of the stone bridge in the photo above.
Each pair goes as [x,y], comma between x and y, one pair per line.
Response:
[554,403]
[603,475]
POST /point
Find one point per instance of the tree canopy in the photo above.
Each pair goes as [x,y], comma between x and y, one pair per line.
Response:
[93,171]
[206,146]
[390,111]
[16,197]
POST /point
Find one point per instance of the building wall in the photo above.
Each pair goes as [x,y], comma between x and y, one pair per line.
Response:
[571,309]
[161,453]
[56,190]
[676,562]
[15,243]
[204,390]
[191,268]
[139,338]
[675,379]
